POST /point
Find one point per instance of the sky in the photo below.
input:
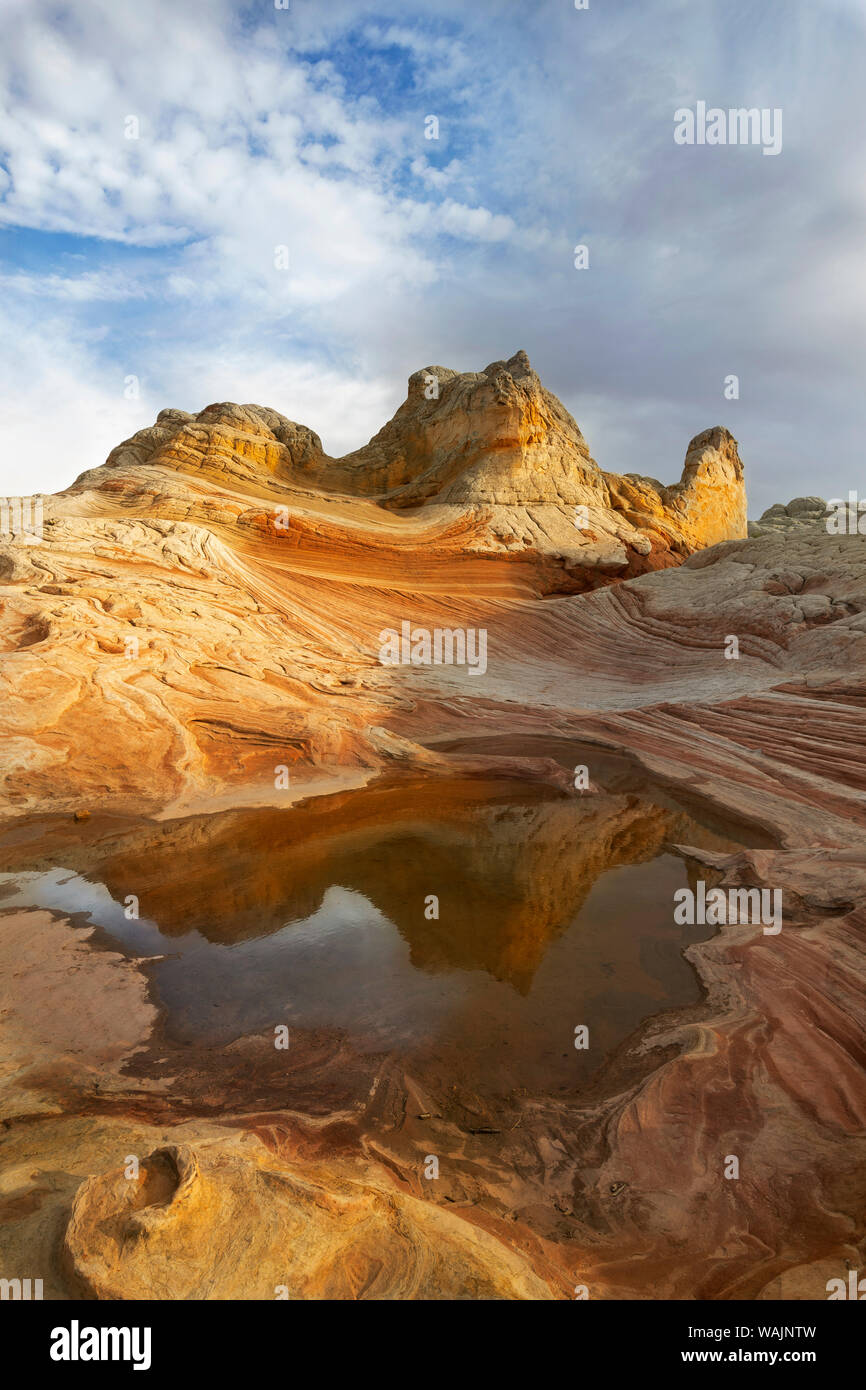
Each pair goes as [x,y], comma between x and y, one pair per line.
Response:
[222,201]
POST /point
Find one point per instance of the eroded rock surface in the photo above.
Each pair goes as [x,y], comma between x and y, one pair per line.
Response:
[800,514]
[226,1222]
[208,607]
[492,452]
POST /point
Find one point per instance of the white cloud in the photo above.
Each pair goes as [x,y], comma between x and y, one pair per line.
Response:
[344,408]
[554,129]
[92,285]
[63,411]
[435,177]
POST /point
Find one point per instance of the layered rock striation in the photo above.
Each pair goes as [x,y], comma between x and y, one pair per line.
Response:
[208,608]
[493,451]
[207,604]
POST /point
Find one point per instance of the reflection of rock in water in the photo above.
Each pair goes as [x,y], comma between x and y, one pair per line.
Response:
[510,865]
[554,911]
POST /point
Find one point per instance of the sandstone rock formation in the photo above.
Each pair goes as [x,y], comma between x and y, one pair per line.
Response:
[800,514]
[493,447]
[206,608]
[219,1223]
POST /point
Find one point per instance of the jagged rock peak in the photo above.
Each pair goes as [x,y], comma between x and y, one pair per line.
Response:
[495,445]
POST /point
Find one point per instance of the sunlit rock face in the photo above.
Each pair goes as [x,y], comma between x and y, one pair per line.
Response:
[226,1221]
[199,630]
[495,447]
[495,437]
[207,605]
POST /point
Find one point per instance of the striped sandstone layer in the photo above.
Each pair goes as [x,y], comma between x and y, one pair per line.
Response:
[256,576]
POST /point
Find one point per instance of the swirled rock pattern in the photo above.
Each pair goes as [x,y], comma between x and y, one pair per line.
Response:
[206,606]
[219,1223]
[201,630]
